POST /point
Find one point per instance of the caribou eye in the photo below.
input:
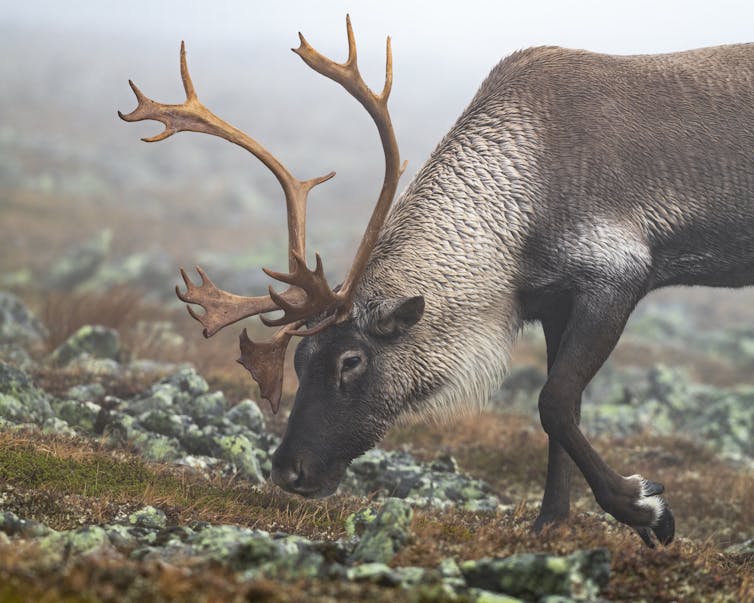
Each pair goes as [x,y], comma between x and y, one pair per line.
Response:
[351,366]
[351,362]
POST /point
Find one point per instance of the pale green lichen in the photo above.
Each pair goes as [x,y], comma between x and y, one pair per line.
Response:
[389,531]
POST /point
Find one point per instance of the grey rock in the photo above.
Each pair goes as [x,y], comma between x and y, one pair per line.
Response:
[520,390]
[248,415]
[56,547]
[742,548]
[95,367]
[12,525]
[240,451]
[20,400]
[148,517]
[205,407]
[187,380]
[57,426]
[17,323]
[160,397]
[666,401]
[79,263]
[479,595]
[201,441]
[13,353]
[95,340]
[376,573]
[156,447]
[125,430]
[398,474]
[165,423]
[531,576]
[203,464]
[444,463]
[356,523]
[386,535]
[82,415]
[148,270]
[86,392]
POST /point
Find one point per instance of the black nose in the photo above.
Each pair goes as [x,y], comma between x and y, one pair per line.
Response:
[288,473]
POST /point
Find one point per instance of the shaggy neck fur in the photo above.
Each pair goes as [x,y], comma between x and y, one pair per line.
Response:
[453,237]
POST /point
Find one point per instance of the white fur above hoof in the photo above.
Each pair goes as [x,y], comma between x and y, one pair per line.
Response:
[662,524]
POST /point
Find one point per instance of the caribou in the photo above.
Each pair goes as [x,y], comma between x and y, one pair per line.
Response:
[572,185]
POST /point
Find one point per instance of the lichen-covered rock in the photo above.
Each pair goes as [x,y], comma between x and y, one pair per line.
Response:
[86,392]
[238,548]
[159,397]
[82,415]
[156,447]
[375,572]
[188,381]
[398,474]
[742,548]
[205,407]
[357,522]
[148,270]
[12,525]
[519,391]
[20,400]
[54,425]
[479,595]
[247,414]
[531,576]
[86,364]
[13,353]
[666,401]
[148,517]
[56,547]
[79,263]
[386,535]
[17,323]
[165,423]
[240,451]
[95,340]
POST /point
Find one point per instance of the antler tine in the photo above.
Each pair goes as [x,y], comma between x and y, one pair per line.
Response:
[264,360]
[347,75]
[223,308]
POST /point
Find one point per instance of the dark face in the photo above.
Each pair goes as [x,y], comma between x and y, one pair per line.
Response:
[343,405]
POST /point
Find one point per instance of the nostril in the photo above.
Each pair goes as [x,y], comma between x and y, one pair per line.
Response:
[288,477]
[291,477]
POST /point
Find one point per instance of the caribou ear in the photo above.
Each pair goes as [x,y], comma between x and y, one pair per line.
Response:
[393,316]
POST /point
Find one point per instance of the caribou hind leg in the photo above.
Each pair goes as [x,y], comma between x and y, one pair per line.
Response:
[593,328]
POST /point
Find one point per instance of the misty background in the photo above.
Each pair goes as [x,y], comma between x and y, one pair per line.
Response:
[70,169]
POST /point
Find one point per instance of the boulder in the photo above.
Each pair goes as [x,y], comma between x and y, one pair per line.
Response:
[78,263]
[386,535]
[17,323]
[20,400]
[532,576]
[95,340]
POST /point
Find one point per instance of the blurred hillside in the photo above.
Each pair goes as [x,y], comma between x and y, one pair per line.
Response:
[64,151]
[70,170]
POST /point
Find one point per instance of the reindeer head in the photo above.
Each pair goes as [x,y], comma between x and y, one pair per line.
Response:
[342,406]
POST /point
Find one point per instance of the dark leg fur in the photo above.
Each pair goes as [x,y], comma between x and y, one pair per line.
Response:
[593,328]
[557,496]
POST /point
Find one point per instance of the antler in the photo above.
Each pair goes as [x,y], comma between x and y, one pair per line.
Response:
[347,75]
[309,294]
[223,308]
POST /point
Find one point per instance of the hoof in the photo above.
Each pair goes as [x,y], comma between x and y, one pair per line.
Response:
[545,520]
[663,530]
[662,525]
